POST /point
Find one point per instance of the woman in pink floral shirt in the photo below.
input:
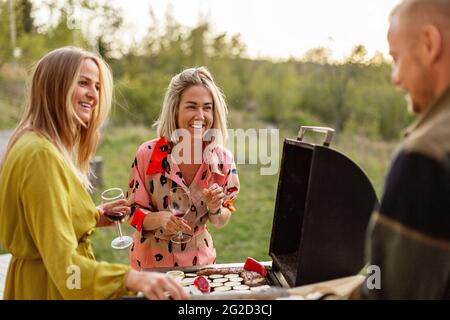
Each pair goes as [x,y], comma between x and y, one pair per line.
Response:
[189,153]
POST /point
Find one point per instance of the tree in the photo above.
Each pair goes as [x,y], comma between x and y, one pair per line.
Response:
[197,45]
[24,18]
[5,40]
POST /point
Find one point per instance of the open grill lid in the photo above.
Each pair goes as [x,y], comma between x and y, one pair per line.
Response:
[324,202]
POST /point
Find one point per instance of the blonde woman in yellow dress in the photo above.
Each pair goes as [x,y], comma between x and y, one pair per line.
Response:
[46,214]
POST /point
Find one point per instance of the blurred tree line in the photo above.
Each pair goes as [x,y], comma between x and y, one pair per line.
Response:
[352,95]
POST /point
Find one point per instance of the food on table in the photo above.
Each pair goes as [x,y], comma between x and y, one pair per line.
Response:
[232,283]
[216,280]
[190,275]
[177,274]
[187,281]
[253,265]
[222,288]
[224,271]
[241,287]
[255,282]
[202,284]
[215,284]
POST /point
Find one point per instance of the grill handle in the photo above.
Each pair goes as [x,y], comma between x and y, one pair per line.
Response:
[329,133]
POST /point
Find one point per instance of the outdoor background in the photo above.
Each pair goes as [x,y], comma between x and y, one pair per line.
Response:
[352,94]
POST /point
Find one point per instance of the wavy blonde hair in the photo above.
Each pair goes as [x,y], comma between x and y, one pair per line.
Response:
[50,113]
[167,121]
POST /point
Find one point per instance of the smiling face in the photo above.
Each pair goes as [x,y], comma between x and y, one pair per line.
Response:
[409,72]
[195,112]
[86,94]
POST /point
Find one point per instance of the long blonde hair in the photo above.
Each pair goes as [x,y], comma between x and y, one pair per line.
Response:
[50,112]
[167,122]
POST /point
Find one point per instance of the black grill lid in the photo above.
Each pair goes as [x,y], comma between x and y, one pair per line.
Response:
[324,202]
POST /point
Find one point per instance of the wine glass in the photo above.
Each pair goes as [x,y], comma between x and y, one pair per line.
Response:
[121,242]
[179,205]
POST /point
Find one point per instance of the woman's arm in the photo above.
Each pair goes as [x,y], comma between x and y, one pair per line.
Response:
[49,213]
[214,197]
[155,285]
[220,220]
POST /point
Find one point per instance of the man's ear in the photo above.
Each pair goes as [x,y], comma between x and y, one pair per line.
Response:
[432,44]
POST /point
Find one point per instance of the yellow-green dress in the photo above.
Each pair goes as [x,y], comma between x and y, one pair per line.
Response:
[46,221]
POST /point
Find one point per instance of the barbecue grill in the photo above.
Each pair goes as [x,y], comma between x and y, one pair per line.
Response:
[323,204]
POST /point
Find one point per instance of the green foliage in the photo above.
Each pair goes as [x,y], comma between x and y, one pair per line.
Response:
[247,234]
[354,96]
[276,91]
[12,95]
[5,40]
[140,97]
[249,230]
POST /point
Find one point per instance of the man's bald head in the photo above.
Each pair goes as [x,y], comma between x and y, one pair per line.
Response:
[413,14]
[419,43]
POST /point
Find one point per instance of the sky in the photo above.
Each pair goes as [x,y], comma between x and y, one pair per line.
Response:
[278,29]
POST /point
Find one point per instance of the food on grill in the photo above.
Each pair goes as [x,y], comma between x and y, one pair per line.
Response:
[255,282]
[215,280]
[250,275]
[215,284]
[232,283]
[223,271]
[187,281]
[241,287]
[202,284]
[253,265]
[190,275]
[253,278]
[222,288]
[236,279]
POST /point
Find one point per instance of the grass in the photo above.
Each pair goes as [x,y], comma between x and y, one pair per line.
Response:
[249,230]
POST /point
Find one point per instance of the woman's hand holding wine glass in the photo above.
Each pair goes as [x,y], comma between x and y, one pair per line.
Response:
[110,208]
[179,205]
[110,197]
[173,224]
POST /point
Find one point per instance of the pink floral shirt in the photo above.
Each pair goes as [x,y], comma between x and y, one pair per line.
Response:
[153,174]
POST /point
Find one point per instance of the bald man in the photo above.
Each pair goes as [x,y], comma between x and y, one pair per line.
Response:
[409,234]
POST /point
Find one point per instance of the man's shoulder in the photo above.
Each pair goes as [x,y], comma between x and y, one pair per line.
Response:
[416,194]
[433,139]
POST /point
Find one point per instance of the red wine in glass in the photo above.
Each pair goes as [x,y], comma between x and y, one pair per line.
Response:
[179,205]
[114,194]
[115,216]
[178,214]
